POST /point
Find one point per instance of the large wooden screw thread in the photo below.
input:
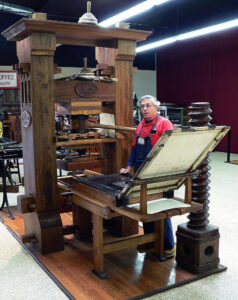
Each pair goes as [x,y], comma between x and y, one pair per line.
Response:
[199,113]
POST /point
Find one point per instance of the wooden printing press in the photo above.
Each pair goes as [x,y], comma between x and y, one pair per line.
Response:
[172,161]
[36,40]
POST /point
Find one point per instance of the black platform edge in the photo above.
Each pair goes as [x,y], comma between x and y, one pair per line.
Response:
[44,268]
[196,277]
[100,275]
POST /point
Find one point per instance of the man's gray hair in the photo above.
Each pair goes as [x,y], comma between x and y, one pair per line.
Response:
[152,98]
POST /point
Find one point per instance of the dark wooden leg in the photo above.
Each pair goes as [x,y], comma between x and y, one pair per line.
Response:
[82,220]
[18,171]
[159,243]
[98,246]
[123,226]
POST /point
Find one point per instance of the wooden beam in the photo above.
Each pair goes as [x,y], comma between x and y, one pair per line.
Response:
[28,238]
[69,229]
[26,204]
[115,127]
[86,142]
[129,242]
[91,205]
[90,173]
[10,188]
[164,178]
[124,98]
[73,33]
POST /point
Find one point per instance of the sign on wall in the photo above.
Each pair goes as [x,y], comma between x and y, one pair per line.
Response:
[9,80]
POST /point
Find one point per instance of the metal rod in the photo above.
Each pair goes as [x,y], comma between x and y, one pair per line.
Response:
[4,184]
[229,147]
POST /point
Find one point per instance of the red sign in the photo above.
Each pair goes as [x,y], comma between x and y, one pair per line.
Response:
[9,80]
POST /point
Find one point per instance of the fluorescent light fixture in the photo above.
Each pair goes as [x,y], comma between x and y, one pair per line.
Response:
[188,35]
[133,11]
[156,44]
[15,8]
[207,30]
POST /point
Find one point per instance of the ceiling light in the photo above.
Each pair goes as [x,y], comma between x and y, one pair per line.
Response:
[156,44]
[188,35]
[5,6]
[207,30]
[133,11]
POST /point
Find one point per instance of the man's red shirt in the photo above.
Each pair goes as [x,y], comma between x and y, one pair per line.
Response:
[161,125]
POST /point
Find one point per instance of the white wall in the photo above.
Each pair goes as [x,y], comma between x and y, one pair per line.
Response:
[67,71]
[5,68]
[144,83]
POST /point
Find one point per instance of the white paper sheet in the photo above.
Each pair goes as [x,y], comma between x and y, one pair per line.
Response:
[159,205]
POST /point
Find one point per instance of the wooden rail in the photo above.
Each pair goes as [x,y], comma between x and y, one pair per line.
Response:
[115,127]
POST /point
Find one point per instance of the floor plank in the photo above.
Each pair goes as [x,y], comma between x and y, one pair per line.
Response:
[129,273]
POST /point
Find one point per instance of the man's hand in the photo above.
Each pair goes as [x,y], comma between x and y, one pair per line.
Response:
[125,170]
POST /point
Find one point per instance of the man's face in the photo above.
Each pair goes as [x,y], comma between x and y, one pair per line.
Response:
[148,109]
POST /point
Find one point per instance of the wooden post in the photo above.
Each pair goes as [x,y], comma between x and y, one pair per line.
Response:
[124,97]
[143,199]
[98,246]
[188,190]
[39,148]
[159,242]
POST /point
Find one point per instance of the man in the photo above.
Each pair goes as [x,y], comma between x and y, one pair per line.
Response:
[147,134]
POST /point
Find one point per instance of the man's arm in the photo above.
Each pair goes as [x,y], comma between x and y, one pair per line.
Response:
[125,170]
[131,161]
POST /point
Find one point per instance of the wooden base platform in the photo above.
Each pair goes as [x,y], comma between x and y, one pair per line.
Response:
[130,275]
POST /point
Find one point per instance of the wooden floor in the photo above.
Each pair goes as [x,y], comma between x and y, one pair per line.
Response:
[129,274]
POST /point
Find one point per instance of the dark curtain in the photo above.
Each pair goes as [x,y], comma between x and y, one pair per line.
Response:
[203,69]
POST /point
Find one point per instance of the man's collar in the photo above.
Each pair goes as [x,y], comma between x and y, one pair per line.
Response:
[144,122]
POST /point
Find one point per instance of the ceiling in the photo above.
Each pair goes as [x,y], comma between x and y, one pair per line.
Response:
[174,17]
